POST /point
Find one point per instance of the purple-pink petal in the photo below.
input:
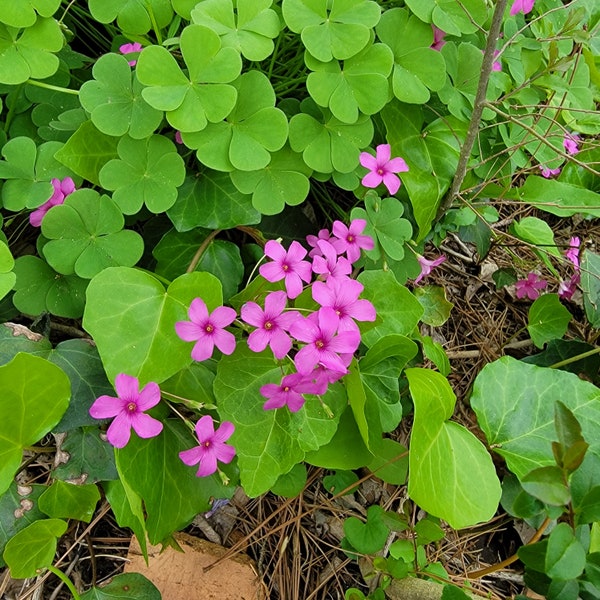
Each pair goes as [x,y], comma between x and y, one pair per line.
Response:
[275,251]
[372,179]
[205,429]
[128,387]
[224,341]
[280,343]
[208,465]
[383,154]
[272,271]
[293,285]
[192,456]
[391,182]
[148,397]
[275,303]
[368,161]
[188,331]
[258,340]
[203,348]
[253,314]
[222,316]
[397,165]
[145,425]
[106,407]
[119,431]
[224,432]
[224,453]
[198,312]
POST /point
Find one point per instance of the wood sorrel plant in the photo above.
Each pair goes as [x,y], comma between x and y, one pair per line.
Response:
[139,170]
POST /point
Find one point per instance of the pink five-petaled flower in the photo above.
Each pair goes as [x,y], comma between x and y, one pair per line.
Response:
[130,49]
[350,240]
[382,168]
[342,295]
[548,173]
[323,346]
[212,447]
[438,38]
[313,241]
[566,289]
[272,324]
[328,264]
[128,410]
[530,287]
[428,265]
[572,254]
[287,265]
[570,143]
[207,330]
[524,6]
[289,392]
[61,190]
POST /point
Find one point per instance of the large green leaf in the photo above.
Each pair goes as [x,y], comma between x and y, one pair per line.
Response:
[7,277]
[68,501]
[451,474]
[132,320]
[133,16]
[590,284]
[24,13]
[514,403]
[450,16]
[26,383]
[548,319]
[128,586]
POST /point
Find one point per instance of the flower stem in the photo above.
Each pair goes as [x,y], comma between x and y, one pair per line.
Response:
[572,359]
[201,249]
[65,580]
[48,86]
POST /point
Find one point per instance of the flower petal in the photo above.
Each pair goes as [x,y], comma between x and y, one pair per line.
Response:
[258,340]
[224,341]
[224,453]
[197,312]
[272,271]
[280,343]
[275,251]
[384,151]
[146,426]
[223,316]
[149,396]
[119,432]
[371,180]
[205,429]
[253,314]
[275,303]
[397,165]
[208,465]
[203,348]
[127,386]
[192,456]
[106,407]
[391,182]
[224,432]
[368,161]
[188,331]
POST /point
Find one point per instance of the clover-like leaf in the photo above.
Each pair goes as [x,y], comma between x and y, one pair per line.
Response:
[147,172]
[253,129]
[203,95]
[328,144]
[133,16]
[24,13]
[40,289]
[360,84]
[114,100]
[283,181]
[450,16]
[249,26]
[29,53]
[417,67]
[86,235]
[7,263]
[332,30]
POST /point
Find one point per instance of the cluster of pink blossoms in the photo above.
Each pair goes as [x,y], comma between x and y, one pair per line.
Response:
[61,190]
[323,342]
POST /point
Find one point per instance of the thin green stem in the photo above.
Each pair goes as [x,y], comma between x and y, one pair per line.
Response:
[155,27]
[65,580]
[11,108]
[56,88]
[201,250]
[573,359]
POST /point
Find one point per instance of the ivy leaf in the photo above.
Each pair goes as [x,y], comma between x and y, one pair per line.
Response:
[86,235]
[127,586]
[133,16]
[23,14]
[191,101]
[434,302]
[330,31]
[253,129]
[249,27]
[590,284]
[40,289]
[68,501]
[417,67]
[147,172]
[28,53]
[114,100]
[446,458]
[369,537]
[548,319]
[25,416]
[360,84]
[326,143]
[284,181]
[452,17]
[210,200]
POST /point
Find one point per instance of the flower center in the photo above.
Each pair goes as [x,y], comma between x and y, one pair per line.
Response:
[319,344]
[380,171]
[209,328]
[131,407]
[286,388]
[285,267]
[350,239]
[206,444]
[268,325]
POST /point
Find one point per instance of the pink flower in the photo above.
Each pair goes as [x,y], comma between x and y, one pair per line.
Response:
[272,324]
[178,138]
[350,240]
[566,289]
[570,143]
[572,254]
[438,38]
[61,190]
[212,447]
[323,346]
[328,264]
[530,287]
[548,173]
[287,265]
[342,296]
[496,65]
[428,265]
[207,330]
[313,241]
[382,169]
[288,392]
[524,6]
[130,49]
[128,410]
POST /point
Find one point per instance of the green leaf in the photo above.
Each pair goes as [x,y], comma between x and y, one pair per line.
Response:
[132,320]
[147,172]
[87,151]
[548,319]
[172,495]
[23,14]
[428,530]
[417,67]
[253,129]
[67,501]
[290,484]
[390,463]
[369,537]
[114,100]
[369,428]
[133,16]
[445,458]
[536,231]
[203,95]
[590,284]
[588,510]
[29,53]
[565,556]
[213,202]
[398,311]
[33,548]
[360,85]
[25,417]
[129,586]
[283,437]
[436,306]
[339,31]
[524,437]
[16,338]
[339,481]
[7,277]
[86,235]
[435,352]
[449,16]
[249,27]
[548,485]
